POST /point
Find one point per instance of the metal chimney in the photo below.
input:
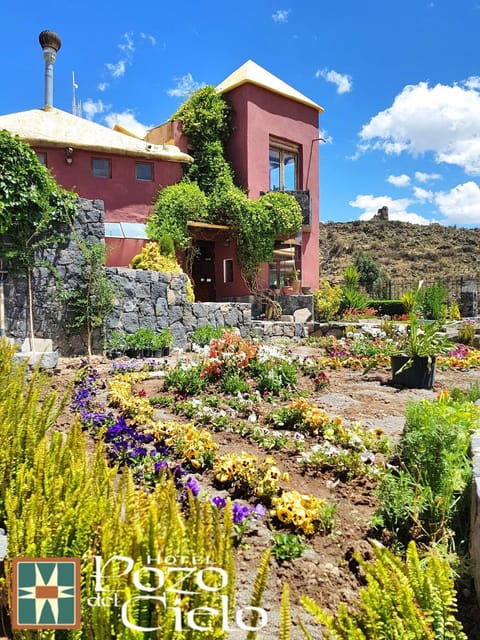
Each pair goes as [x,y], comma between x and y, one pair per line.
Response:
[50,43]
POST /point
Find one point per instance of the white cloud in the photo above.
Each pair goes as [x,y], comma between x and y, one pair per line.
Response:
[127,50]
[127,119]
[473,82]
[343,81]
[91,108]
[327,138]
[423,195]
[281,15]
[399,181]
[150,38]
[443,119]
[185,86]
[426,177]
[127,47]
[397,209]
[102,86]
[461,204]
[117,70]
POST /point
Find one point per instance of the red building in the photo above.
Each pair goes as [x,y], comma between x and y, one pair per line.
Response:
[274,147]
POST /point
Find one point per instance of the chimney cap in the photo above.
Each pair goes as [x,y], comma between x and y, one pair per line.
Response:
[50,39]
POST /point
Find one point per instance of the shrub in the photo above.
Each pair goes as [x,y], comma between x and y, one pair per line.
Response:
[174,206]
[412,599]
[430,497]
[203,335]
[433,302]
[327,299]
[466,332]
[388,307]
[371,275]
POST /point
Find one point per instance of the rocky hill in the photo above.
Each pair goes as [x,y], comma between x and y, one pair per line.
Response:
[407,252]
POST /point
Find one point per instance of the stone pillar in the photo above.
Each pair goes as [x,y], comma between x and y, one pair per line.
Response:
[469,299]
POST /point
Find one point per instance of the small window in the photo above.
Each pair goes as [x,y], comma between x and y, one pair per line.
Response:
[144,171]
[101,168]
[228,270]
[42,157]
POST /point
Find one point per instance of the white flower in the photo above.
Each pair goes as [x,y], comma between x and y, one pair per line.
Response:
[252,417]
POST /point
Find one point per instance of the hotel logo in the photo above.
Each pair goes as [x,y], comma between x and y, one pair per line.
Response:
[46,593]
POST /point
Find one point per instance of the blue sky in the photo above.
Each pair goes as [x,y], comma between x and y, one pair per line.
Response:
[399,82]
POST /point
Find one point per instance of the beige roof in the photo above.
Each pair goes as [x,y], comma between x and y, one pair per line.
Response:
[252,73]
[55,128]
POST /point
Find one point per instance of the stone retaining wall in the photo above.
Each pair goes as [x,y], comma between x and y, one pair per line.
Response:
[143,298]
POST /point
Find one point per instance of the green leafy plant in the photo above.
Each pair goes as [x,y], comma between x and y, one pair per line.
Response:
[93,297]
[466,332]
[327,300]
[34,211]
[428,496]
[288,546]
[413,599]
[371,275]
[353,297]
[433,302]
[423,340]
[185,380]
[206,121]
[174,206]
[203,335]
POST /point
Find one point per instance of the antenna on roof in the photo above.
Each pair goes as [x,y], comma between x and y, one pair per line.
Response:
[76,106]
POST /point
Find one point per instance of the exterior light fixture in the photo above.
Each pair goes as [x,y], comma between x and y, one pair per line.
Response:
[69,155]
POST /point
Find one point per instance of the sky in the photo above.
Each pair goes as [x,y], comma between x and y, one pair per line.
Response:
[399,83]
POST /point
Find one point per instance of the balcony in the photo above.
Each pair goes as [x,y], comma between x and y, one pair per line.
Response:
[303,199]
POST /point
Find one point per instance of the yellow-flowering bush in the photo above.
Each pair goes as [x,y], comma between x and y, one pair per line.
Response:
[306,513]
[195,446]
[151,259]
[242,472]
[135,407]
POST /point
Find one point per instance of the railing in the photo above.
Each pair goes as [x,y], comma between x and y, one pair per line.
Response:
[304,200]
[394,289]
[302,196]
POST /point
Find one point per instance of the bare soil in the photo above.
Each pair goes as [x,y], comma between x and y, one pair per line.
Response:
[326,571]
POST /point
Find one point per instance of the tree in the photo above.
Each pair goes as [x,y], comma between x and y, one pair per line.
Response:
[34,210]
[92,299]
[371,275]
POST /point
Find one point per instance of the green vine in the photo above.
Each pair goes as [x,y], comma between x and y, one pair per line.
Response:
[206,119]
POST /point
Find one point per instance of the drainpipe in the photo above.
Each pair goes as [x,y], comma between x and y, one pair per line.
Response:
[50,43]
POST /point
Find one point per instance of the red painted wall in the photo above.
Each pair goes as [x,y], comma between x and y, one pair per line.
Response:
[125,198]
[259,114]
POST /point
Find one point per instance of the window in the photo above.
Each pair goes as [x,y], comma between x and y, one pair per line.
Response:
[144,171]
[228,270]
[42,157]
[101,168]
[283,161]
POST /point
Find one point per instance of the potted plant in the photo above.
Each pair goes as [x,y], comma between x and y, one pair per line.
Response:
[116,344]
[414,365]
[163,341]
[294,277]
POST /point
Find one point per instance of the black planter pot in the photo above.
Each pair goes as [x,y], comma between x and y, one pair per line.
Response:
[419,375]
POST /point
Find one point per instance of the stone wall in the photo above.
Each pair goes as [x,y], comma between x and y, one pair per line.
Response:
[143,298]
[157,300]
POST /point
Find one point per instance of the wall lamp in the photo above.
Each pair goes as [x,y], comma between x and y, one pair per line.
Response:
[69,155]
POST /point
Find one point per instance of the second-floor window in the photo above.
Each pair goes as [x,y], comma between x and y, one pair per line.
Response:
[283,162]
[101,168]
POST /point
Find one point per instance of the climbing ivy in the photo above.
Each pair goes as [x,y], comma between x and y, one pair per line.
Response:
[33,209]
[206,119]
